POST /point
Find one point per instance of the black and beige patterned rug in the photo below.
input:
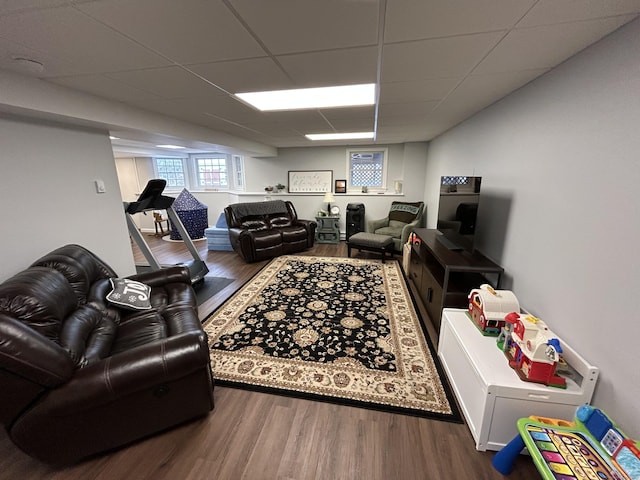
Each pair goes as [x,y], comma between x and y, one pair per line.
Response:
[343,330]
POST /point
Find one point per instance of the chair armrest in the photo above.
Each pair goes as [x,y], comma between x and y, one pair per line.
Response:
[310,225]
[373,225]
[31,355]
[148,366]
[154,278]
[407,229]
[242,243]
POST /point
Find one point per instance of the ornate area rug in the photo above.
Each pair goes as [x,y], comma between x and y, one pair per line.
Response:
[335,329]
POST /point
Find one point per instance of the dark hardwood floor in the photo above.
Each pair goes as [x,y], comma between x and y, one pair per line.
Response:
[259,436]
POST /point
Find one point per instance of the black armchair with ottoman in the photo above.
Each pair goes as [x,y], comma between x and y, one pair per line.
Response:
[263,230]
[90,362]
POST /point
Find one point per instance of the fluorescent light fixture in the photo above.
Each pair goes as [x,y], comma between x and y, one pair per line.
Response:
[111,137]
[339,136]
[306,98]
[172,147]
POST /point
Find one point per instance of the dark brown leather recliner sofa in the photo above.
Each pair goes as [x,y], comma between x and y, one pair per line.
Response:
[263,230]
[79,375]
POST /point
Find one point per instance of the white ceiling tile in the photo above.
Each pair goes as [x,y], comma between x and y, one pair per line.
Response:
[457,56]
[105,87]
[367,111]
[186,31]
[302,120]
[289,26]
[333,67]
[417,90]
[271,128]
[247,75]
[419,19]
[52,65]
[167,82]
[211,105]
[479,91]
[548,12]
[351,125]
[409,109]
[81,41]
[436,58]
[14,6]
[546,46]
[410,133]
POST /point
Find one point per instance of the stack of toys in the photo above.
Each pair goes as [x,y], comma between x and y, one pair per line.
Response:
[532,349]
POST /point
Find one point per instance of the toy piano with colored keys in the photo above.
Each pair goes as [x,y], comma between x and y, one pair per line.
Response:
[589,448]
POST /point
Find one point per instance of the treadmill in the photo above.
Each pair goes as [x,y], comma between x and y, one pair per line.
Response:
[151,198]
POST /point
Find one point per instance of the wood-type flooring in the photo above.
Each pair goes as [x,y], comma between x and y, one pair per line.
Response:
[259,436]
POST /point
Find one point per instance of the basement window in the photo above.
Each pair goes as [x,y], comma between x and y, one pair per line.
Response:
[172,170]
[367,168]
[211,171]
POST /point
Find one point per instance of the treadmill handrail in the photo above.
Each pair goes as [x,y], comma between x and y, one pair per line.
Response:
[151,198]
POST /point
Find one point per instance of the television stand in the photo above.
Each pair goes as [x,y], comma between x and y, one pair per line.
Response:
[448,243]
[444,277]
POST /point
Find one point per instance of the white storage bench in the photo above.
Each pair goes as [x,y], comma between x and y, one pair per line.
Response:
[491,394]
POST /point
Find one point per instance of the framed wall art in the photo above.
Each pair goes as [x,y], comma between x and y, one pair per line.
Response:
[340,186]
[310,181]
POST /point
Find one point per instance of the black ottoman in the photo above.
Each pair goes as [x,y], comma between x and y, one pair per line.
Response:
[371,242]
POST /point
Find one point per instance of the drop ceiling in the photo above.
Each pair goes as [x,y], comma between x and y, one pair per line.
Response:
[436,62]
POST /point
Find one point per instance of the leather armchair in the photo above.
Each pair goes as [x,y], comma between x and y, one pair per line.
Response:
[402,219]
[263,230]
[80,376]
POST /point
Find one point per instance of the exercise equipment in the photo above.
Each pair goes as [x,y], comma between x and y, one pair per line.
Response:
[151,198]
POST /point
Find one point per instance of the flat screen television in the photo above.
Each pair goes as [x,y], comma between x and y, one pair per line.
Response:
[458,211]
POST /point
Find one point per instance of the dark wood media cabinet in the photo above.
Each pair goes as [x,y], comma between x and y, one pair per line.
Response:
[444,277]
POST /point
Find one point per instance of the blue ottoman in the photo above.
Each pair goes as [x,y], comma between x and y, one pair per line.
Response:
[218,236]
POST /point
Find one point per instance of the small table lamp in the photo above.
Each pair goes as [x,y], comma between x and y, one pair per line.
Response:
[328,197]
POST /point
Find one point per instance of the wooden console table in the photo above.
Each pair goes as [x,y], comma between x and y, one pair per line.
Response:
[444,277]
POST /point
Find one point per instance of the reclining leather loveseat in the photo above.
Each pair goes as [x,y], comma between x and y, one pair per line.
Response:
[262,230]
[81,373]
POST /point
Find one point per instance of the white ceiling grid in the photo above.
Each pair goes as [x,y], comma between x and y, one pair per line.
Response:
[438,61]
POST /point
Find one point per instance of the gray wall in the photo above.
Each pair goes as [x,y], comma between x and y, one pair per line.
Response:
[49,197]
[559,206]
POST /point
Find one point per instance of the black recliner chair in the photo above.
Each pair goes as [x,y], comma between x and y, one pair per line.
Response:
[81,375]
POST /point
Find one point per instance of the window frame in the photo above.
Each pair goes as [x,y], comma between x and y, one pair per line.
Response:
[237,167]
[195,170]
[385,159]
[185,172]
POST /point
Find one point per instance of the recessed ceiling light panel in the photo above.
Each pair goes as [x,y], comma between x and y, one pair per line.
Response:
[308,98]
[172,147]
[339,136]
